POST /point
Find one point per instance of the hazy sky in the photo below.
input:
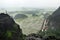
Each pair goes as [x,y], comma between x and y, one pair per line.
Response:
[29,3]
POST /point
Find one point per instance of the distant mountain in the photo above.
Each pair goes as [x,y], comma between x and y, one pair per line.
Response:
[18,16]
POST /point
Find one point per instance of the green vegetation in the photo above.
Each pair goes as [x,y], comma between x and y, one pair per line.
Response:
[9,34]
[32,20]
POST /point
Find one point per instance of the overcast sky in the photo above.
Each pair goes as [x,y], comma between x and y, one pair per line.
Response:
[29,3]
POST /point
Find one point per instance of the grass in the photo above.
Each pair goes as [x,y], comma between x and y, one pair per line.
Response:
[30,25]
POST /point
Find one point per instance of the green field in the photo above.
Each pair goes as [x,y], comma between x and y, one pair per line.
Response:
[33,22]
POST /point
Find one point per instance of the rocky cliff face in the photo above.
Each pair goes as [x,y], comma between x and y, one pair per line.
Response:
[9,30]
[56,13]
[54,24]
[54,20]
